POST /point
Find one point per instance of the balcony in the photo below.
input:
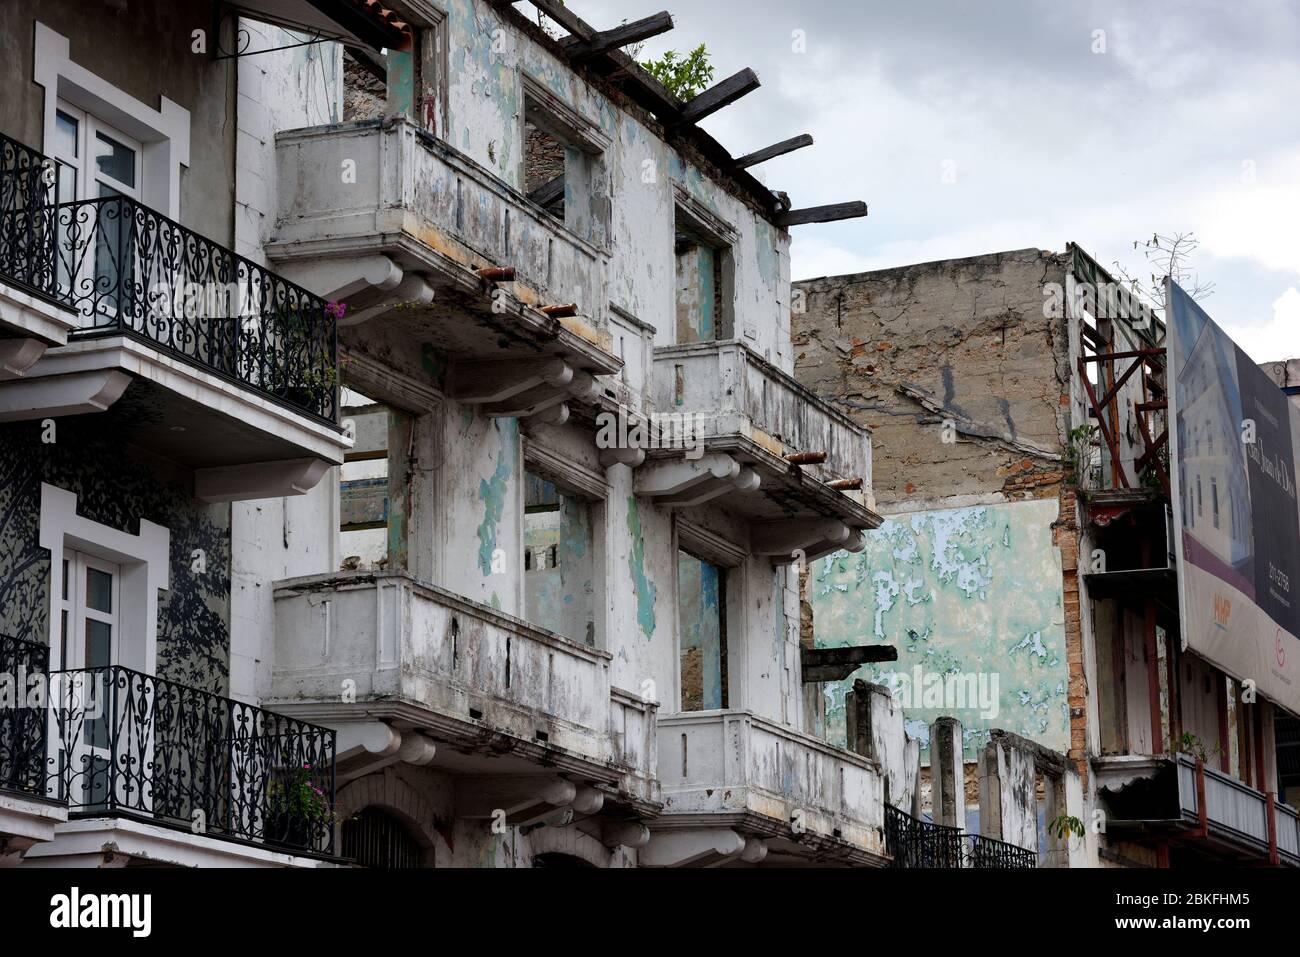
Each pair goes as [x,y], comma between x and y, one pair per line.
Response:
[194,352]
[130,759]
[442,681]
[796,467]
[27,815]
[740,788]
[30,319]
[1207,813]
[428,247]
[913,843]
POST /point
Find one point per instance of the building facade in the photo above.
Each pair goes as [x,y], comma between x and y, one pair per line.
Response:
[1020,435]
[401,459]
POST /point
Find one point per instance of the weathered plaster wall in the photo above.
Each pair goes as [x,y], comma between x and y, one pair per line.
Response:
[635,195]
[482,495]
[970,591]
[963,341]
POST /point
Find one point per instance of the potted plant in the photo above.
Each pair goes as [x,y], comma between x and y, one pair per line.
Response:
[304,371]
[297,808]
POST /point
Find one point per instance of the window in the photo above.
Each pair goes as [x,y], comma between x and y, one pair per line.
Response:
[704,274]
[363,486]
[562,166]
[94,161]
[88,632]
[560,567]
[702,624]
[544,169]
[1214,501]
[1200,503]
[88,644]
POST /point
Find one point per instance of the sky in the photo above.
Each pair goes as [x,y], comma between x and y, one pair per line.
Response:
[972,128]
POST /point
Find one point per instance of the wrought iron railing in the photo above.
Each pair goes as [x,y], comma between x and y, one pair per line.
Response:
[916,843]
[985,852]
[126,269]
[26,217]
[24,667]
[913,843]
[130,744]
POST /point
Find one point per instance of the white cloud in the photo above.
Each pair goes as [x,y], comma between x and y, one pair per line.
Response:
[1276,338]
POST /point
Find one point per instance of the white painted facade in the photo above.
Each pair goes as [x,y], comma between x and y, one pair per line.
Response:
[463,719]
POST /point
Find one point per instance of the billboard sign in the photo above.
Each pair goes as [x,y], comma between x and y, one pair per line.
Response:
[1235,437]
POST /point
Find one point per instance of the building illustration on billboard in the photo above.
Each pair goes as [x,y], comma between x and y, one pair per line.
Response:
[1214,487]
[1235,484]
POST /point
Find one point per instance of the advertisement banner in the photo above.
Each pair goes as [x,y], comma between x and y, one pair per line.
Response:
[1235,440]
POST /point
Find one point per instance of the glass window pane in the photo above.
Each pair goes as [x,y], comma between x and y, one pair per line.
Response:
[65,579]
[66,183]
[99,590]
[65,134]
[114,159]
[99,644]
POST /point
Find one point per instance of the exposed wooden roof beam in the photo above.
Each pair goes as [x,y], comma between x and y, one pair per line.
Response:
[548,192]
[557,11]
[822,214]
[606,40]
[646,92]
[773,151]
[718,96]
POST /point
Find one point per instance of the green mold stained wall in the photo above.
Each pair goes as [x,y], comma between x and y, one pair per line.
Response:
[961,591]
[492,491]
[646,590]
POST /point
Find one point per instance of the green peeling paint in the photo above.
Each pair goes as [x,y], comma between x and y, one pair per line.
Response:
[492,492]
[646,592]
[958,592]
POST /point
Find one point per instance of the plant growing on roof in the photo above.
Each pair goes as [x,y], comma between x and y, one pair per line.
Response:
[686,77]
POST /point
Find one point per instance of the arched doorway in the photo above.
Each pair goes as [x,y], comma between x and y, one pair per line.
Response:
[376,839]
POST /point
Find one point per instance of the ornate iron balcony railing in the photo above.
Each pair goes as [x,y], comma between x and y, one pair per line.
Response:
[127,269]
[915,843]
[129,744]
[24,667]
[988,853]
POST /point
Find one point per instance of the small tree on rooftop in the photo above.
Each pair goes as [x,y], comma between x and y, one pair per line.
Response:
[1169,255]
[684,76]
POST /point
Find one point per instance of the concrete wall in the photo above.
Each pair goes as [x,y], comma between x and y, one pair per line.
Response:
[963,342]
[489,56]
[971,593]
[962,369]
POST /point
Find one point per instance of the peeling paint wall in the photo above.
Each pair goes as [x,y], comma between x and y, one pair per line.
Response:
[961,592]
[633,191]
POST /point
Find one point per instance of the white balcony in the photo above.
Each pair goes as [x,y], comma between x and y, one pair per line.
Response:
[739,788]
[1203,810]
[795,467]
[428,246]
[454,685]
